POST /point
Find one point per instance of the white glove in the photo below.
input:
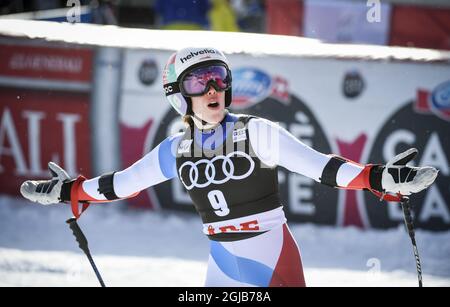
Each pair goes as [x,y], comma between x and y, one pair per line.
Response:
[399,178]
[45,192]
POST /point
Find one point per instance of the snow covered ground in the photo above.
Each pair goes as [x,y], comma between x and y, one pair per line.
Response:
[140,248]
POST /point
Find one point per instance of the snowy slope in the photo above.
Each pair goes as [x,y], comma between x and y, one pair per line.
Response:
[140,248]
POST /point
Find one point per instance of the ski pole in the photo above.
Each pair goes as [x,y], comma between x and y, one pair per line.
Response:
[409,225]
[83,244]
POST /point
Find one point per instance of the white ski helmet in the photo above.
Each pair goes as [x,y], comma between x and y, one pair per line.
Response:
[181,62]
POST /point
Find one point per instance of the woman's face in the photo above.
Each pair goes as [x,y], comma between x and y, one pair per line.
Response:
[210,107]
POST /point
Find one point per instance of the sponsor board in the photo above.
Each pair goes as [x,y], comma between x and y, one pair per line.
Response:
[315,100]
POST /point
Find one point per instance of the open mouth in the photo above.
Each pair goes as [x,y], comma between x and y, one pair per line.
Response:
[213,105]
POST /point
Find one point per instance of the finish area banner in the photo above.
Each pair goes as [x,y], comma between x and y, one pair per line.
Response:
[44,112]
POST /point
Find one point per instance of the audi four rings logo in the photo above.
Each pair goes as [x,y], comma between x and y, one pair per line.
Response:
[210,170]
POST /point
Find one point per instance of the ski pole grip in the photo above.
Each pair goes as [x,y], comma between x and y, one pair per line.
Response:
[79,236]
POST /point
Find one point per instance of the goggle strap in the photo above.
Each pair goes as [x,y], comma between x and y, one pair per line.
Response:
[171,88]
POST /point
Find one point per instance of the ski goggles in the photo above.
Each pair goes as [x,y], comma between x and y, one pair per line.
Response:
[198,81]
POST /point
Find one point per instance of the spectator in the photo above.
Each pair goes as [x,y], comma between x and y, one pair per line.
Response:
[222,17]
[284,17]
[182,14]
[104,12]
[40,5]
[250,15]
[11,7]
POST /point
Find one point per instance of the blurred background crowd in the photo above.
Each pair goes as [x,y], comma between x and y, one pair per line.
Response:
[413,23]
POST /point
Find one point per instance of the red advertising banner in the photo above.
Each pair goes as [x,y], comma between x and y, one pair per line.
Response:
[41,126]
[62,64]
[421,27]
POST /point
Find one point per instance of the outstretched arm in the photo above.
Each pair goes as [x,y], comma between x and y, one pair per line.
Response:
[155,167]
[274,145]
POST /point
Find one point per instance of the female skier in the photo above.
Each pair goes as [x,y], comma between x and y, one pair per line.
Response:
[228,165]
